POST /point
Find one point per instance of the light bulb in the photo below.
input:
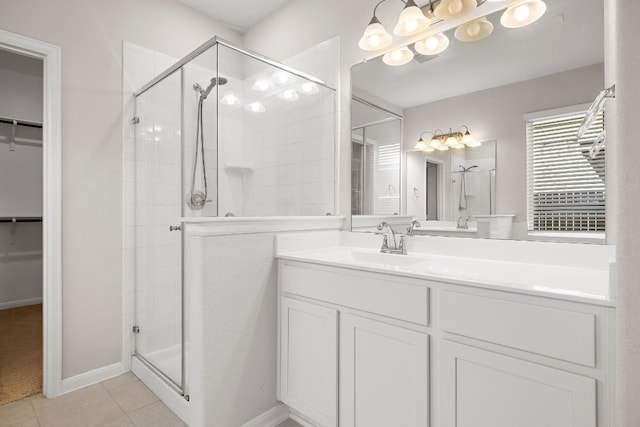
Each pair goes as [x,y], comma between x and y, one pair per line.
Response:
[442,147]
[375,40]
[411,25]
[455,7]
[432,42]
[308,87]
[521,13]
[230,99]
[288,94]
[473,29]
[396,55]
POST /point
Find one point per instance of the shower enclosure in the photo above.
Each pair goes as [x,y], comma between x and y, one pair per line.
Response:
[223,132]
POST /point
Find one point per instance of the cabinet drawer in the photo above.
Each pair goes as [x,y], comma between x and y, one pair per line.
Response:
[561,334]
[384,295]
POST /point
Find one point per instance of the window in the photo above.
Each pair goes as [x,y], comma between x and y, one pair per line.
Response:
[565,187]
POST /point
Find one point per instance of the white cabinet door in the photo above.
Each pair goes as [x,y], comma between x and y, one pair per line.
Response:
[480,388]
[383,374]
[308,360]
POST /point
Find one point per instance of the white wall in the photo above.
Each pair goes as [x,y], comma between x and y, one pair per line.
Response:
[90,33]
[498,114]
[21,88]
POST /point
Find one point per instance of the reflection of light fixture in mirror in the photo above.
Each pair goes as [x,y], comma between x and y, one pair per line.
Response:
[432,45]
[255,107]
[443,142]
[522,14]
[281,77]
[230,98]
[451,9]
[475,30]
[411,20]
[262,84]
[309,88]
[289,95]
[399,56]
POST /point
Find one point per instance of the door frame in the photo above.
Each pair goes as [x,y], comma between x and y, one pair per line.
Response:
[52,212]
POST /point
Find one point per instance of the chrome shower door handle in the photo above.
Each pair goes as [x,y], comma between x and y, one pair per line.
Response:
[175,227]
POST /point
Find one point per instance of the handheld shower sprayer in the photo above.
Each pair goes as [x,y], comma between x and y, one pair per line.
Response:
[197,198]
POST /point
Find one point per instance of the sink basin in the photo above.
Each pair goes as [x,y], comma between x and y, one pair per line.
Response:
[395,260]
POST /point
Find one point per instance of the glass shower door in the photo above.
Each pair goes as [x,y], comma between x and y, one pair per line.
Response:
[158,298]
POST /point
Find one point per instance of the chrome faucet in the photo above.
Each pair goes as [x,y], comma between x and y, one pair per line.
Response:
[389,245]
[412,226]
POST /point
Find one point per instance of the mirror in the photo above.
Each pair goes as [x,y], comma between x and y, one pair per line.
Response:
[495,88]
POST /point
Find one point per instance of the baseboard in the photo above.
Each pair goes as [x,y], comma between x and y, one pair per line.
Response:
[91,377]
[300,419]
[270,418]
[20,303]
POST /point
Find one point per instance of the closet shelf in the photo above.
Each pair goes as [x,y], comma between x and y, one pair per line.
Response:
[27,123]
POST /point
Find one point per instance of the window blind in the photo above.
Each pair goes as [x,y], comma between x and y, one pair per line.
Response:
[565,187]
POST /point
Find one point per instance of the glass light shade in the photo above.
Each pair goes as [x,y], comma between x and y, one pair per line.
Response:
[411,21]
[467,138]
[262,84]
[420,145]
[523,14]
[451,9]
[451,141]
[281,77]
[230,98]
[397,57]
[375,36]
[309,88]
[429,149]
[289,95]
[442,147]
[458,146]
[432,45]
[435,142]
[473,144]
[475,30]
[255,107]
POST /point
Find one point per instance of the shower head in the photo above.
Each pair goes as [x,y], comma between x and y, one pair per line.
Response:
[220,81]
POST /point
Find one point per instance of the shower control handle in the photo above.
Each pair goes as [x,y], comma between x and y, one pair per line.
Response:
[175,227]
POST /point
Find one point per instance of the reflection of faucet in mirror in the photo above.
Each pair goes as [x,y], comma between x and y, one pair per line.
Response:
[389,245]
[412,226]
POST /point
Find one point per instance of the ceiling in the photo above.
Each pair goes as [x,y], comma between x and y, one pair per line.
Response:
[237,14]
[570,35]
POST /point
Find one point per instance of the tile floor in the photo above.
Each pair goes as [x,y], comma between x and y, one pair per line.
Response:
[123,401]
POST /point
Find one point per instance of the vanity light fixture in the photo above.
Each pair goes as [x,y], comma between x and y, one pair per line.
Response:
[522,14]
[451,9]
[411,21]
[475,30]
[414,20]
[397,57]
[432,45]
[443,141]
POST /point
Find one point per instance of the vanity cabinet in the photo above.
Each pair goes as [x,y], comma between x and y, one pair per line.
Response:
[365,349]
[309,360]
[383,374]
[482,388]
[379,323]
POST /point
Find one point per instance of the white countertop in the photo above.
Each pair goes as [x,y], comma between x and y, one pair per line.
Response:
[584,283]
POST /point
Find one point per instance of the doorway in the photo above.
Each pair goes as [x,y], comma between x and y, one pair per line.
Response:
[23,132]
[21,199]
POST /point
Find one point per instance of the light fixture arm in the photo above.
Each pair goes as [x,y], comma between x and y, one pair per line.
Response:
[376,8]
